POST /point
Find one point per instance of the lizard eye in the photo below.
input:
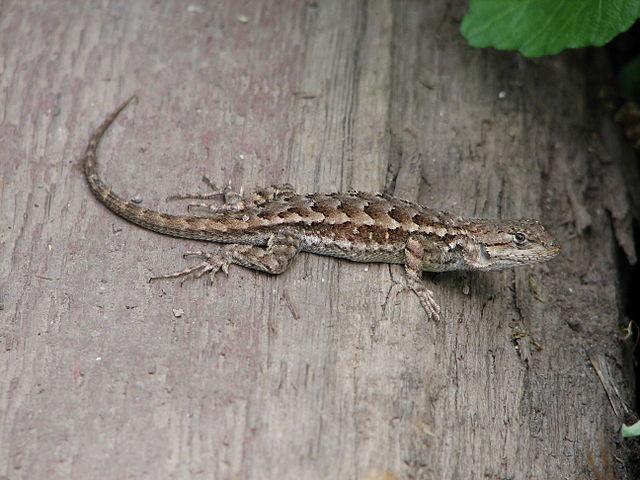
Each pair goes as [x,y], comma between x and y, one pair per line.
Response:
[520,238]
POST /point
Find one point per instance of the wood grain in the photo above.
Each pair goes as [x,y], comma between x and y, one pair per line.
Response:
[329,370]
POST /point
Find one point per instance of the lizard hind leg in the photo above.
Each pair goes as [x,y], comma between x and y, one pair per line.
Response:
[414,257]
[232,200]
[214,193]
[275,258]
[236,201]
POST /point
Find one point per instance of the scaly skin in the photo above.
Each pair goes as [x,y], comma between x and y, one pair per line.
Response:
[266,229]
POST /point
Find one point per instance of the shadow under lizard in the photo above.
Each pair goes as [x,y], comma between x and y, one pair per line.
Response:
[264,230]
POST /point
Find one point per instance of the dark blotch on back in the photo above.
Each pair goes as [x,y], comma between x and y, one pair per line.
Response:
[400,215]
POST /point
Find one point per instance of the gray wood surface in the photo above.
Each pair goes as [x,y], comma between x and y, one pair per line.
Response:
[329,370]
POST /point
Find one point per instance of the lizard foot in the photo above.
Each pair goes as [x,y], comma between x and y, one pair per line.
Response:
[212,263]
[273,258]
[426,300]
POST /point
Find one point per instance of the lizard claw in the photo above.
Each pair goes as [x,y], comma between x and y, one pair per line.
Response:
[427,301]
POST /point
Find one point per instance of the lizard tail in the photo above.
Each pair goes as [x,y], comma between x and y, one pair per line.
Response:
[199,228]
[90,164]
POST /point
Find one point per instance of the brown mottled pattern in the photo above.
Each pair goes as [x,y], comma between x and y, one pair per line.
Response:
[359,226]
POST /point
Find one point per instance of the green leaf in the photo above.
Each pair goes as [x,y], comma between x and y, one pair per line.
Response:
[545,27]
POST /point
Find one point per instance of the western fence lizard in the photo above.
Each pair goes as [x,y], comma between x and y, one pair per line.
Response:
[266,229]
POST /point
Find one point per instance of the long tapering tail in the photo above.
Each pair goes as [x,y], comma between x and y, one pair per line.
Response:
[200,228]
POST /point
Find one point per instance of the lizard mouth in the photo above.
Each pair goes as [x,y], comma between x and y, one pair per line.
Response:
[553,249]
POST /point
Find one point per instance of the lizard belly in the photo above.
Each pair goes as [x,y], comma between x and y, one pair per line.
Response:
[353,250]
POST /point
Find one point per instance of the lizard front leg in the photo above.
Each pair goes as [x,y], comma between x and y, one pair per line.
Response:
[415,257]
[275,258]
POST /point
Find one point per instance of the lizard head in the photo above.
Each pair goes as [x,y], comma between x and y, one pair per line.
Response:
[500,244]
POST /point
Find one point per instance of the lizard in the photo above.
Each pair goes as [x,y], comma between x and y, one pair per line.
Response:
[266,229]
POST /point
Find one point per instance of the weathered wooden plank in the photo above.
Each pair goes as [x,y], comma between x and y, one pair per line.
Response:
[329,370]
